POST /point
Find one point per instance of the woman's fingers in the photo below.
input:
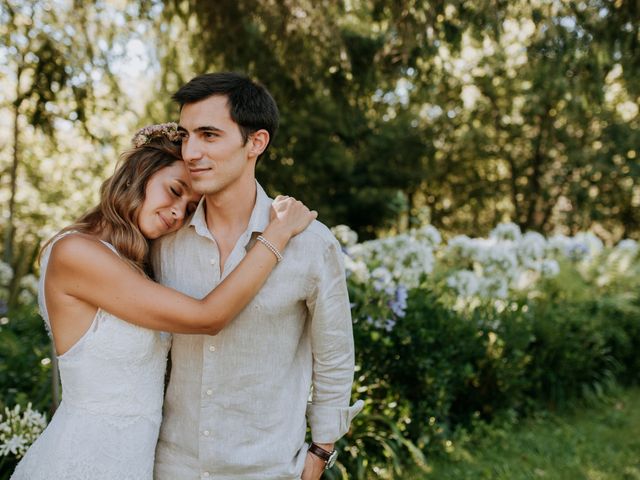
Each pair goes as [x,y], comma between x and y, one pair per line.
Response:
[294,212]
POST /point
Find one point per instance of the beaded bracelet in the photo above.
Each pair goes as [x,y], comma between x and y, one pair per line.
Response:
[271,247]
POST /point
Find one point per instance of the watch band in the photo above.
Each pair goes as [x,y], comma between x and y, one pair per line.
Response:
[320,452]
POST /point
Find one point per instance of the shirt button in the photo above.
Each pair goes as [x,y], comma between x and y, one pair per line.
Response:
[212,261]
[206,433]
[209,392]
[212,348]
[205,475]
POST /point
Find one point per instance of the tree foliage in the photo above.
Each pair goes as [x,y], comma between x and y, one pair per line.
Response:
[63,110]
[460,113]
[464,113]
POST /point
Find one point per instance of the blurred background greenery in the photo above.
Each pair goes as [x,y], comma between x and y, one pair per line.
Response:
[395,114]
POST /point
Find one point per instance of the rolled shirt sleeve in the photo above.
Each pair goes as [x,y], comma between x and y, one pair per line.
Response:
[329,413]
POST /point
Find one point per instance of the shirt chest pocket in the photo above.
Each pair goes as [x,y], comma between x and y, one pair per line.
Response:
[280,304]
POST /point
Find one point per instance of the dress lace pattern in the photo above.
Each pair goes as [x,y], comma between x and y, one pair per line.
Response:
[107,424]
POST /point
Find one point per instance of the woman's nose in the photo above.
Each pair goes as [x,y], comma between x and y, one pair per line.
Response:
[177,212]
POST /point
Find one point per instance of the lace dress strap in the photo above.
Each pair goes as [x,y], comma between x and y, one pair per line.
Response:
[111,247]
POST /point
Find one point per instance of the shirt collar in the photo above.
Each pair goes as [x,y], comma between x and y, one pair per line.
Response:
[260,215]
[199,221]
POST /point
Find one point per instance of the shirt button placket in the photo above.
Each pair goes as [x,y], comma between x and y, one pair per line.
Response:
[206,433]
[207,374]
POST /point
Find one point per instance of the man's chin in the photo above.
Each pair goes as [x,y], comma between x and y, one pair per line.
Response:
[206,188]
[203,185]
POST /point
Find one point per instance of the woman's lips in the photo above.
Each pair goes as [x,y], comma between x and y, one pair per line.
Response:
[164,220]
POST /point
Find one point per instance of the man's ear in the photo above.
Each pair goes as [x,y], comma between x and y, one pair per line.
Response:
[258,142]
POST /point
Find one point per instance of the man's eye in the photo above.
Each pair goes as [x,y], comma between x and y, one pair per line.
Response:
[175,192]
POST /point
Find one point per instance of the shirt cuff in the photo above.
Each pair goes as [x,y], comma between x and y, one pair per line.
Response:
[329,424]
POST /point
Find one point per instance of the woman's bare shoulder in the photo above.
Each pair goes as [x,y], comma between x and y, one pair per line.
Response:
[77,249]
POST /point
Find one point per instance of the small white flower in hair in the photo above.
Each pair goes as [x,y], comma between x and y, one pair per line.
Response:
[144,135]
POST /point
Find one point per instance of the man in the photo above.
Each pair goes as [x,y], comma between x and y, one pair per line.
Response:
[236,402]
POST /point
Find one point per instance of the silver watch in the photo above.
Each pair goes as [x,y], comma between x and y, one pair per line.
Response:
[332,460]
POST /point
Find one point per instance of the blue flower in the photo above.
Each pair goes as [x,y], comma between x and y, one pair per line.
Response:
[399,303]
[389,324]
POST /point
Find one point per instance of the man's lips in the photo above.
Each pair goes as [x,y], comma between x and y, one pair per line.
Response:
[196,171]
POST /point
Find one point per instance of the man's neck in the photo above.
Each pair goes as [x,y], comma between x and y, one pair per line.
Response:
[228,212]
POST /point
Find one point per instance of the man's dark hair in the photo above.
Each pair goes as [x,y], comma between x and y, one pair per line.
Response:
[250,104]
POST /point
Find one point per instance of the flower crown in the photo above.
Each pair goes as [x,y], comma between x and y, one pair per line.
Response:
[144,135]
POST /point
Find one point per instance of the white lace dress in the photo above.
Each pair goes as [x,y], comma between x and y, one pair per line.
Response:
[107,424]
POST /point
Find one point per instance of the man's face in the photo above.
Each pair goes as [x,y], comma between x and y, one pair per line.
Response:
[212,146]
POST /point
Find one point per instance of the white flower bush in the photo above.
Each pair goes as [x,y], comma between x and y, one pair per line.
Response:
[494,269]
[405,257]
[28,290]
[19,429]
[30,283]
[345,235]
[6,274]
[549,268]
[506,231]
[583,247]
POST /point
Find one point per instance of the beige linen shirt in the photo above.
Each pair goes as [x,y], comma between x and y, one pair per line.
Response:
[236,402]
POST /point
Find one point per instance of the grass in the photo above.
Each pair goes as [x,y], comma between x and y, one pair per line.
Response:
[600,442]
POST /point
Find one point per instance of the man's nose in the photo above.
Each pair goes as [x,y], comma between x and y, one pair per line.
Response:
[190,150]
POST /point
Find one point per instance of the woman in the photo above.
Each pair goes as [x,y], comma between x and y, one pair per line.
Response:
[106,316]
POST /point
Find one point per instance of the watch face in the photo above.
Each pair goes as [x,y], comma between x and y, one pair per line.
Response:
[332,459]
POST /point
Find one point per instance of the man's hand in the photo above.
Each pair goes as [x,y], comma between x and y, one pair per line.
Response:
[313,465]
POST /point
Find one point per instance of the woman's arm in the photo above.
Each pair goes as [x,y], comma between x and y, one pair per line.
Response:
[86,269]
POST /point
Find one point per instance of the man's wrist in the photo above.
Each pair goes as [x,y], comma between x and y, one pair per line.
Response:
[326,446]
[324,452]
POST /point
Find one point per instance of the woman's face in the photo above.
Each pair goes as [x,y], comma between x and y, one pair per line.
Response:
[168,200]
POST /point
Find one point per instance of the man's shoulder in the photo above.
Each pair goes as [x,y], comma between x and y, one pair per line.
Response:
[316,236]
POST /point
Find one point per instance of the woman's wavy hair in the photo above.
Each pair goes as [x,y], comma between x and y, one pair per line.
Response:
[115,218]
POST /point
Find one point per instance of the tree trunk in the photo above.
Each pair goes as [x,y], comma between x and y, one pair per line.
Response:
[10,227]
[532,221]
